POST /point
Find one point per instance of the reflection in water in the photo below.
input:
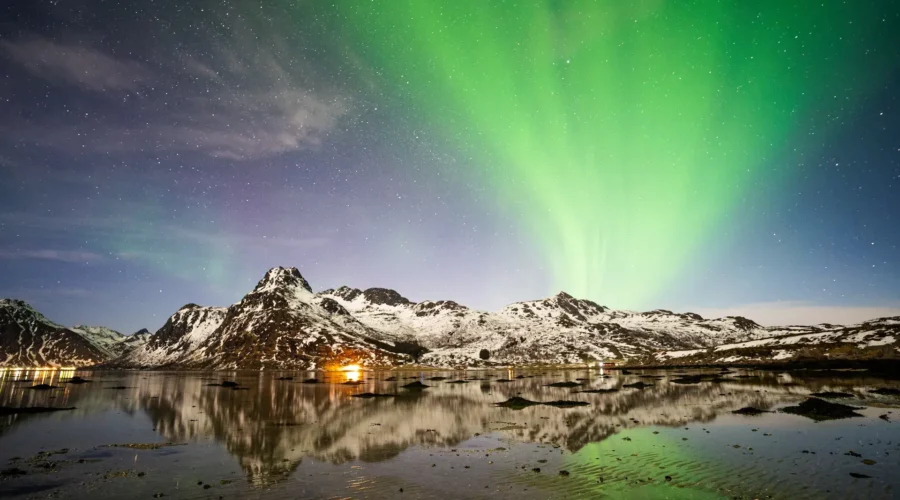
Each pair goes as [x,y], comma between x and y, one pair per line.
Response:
[273,425]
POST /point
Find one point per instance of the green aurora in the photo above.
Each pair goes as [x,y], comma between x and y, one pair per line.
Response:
[626,131]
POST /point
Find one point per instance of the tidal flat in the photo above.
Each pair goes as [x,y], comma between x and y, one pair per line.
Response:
[677,433]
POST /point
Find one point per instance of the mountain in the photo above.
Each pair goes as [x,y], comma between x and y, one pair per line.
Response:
[28,339]
[559,329]
[283,324]
[279,324]
[874,339]
[112,343]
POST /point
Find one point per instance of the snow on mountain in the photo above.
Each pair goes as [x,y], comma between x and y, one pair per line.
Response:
[280,324]
[558,329]
[874,339]
[28,339]
[111,342]
[177,341]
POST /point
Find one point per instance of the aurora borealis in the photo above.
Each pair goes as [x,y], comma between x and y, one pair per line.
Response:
[696,155]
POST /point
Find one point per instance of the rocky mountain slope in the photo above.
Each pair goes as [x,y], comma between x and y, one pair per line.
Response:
[282,324]
[559,329]
[28,339]
[874,339]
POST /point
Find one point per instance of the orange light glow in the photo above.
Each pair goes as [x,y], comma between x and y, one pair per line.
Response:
[351,372]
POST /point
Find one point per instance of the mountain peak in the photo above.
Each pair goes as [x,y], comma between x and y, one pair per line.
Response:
[282,278]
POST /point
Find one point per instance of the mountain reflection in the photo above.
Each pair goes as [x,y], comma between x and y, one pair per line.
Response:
[274,424]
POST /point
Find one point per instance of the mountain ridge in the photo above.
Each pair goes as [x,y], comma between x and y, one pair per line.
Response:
[282,324]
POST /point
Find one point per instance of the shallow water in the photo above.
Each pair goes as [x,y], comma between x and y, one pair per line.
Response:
[288,439]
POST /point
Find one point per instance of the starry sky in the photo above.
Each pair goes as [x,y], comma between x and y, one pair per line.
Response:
[706,156]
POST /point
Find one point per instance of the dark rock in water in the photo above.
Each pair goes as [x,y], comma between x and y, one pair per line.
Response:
[852,453]
[749,410]
[536,469]
[43,387]
[599,391]
[517,403]
[368,395]
[119,387]
[504,380]
[566,404]
[626,372]
[859,476]
[884,417]
[225,383]
[564,384]
[77,380]
[11,410]
[311,381]
[458,382]
[638,385]
[285,378]
[819,410]
[415,386]
[436,378]
[564,473]
[869,462]
[391,379]
[352,382]
[668,478]
[656,377]
[12,472]
[886,391]
[832,395]
[520,376]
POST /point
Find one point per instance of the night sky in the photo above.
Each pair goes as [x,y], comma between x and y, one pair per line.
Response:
[706,156]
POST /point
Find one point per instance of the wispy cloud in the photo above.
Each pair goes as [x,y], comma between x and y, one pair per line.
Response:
[248,101]
[74,64]
[801,313]
[49,254]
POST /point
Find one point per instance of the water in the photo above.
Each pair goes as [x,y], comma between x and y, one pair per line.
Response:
[287,439]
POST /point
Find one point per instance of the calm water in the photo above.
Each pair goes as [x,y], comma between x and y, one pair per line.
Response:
[287,439]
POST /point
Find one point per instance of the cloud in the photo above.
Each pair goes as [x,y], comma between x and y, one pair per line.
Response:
[48,254]
[801,313]
[74,64]
[249,101]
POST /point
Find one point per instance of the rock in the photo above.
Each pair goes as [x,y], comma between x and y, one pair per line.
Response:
[832,395]
[820,410]
[564,384]
[564,473]
[852,453]
[517,403]
[668,478]
[12,472]
[868,461]
[886,391]
[536,469]
[77,380]
[859,476]
[311,381]
[566,404]
[436,378]
[458,382]
[599,391]
[285,378]
[638,385]
[368,395]
[884,417]
[391,379]
[504,380]
[11,410]
[415,386]
[43,387]
[749,410]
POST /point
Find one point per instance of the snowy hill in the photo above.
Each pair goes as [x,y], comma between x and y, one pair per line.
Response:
[283,324]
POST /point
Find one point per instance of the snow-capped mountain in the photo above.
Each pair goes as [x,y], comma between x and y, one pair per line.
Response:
[558,329]
[28,339]
[112,343]
[874,339]
[280,324]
